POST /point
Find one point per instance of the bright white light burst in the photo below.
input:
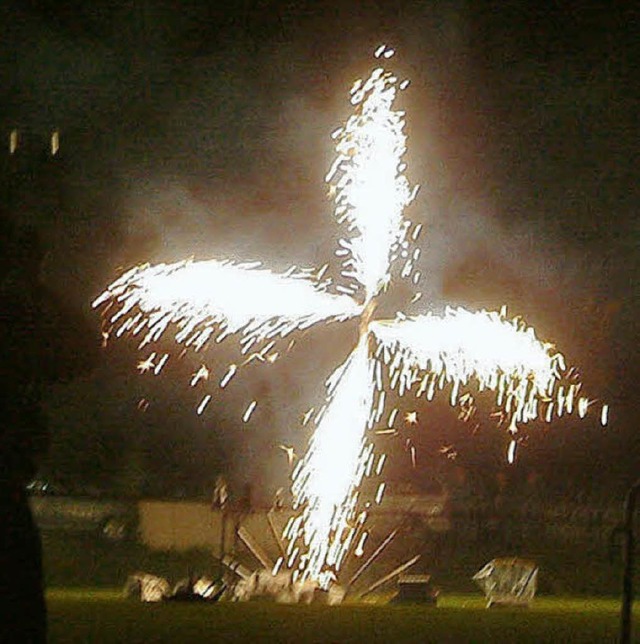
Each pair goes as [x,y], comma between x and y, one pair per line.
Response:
[201,301]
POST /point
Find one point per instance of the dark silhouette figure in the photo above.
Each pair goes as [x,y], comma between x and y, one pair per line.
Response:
[40,343]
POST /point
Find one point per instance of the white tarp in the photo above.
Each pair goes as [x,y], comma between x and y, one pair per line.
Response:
[508,581]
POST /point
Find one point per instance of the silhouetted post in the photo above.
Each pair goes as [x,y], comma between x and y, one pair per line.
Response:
[628,553]
[220,497]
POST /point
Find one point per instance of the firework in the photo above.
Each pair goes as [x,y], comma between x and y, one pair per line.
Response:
[201,302]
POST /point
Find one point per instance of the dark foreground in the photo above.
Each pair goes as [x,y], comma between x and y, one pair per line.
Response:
[103,616]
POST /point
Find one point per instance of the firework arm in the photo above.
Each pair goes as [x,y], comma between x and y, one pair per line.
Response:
[325,482]
[426,352]
[200,301]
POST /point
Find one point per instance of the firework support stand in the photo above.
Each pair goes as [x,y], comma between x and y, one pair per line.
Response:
[415,589]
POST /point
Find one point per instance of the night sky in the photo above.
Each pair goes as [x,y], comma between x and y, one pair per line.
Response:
[204,130]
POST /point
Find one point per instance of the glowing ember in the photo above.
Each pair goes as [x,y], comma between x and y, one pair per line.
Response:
[411,418]
[211,300]
[201,374]
[289,451]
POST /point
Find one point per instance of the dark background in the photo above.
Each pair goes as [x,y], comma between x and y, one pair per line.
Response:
[203,129]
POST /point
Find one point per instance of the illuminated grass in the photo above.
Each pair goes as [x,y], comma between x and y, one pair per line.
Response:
[102,616]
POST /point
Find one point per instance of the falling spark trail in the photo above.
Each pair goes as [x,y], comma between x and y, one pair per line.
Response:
[289,452]
[380,464]
[201,374]
[161,363]
[604,416]
[203,404]
[249,411]
[227,377]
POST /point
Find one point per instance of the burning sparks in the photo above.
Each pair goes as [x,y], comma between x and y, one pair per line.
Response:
[604,416]
[289,452]
[411,418]
[201,374]
[146,365]
[250,409]
[201,302]
[204,402]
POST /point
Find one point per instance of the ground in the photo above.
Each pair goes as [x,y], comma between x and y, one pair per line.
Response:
[86,573]
[86,615]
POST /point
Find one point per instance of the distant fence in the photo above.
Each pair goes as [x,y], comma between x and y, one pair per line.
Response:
[181,525]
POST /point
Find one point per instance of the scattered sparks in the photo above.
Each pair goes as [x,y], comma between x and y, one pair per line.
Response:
[379,493]
[206,300]
[411,418]
[360,547]
[501,355]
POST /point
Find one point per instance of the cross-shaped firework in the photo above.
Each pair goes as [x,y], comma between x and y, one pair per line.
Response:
[211,300]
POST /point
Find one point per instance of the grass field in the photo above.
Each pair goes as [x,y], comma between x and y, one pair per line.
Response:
[85,615]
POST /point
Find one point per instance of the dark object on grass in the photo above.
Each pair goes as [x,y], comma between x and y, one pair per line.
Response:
[149,588]
[197,590]
[416,589]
